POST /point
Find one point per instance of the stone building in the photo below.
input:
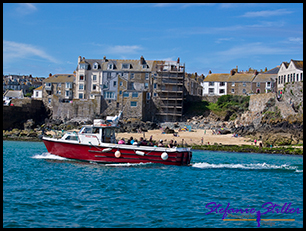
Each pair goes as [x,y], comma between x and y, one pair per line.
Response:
[145,89]
[239,83]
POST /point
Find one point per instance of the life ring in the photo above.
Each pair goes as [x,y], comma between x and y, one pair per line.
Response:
[164,156]
[117,154]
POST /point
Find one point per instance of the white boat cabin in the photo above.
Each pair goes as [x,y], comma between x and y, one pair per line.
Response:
[91,134]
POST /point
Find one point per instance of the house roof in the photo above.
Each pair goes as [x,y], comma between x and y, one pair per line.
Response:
[241,77]
[298,64]
[60,78]
[264,77]
[39,88]
[272,71]
[13,94]
[222,77]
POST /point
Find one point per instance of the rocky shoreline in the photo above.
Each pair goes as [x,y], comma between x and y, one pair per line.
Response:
[280,133]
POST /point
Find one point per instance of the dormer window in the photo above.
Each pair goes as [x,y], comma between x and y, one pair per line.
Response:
[110,66]
[95,66]
[125,66]
[82,66]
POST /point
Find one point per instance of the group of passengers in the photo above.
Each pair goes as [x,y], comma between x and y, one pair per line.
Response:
[144,142]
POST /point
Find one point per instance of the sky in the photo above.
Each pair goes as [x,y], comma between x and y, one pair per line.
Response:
[43,38]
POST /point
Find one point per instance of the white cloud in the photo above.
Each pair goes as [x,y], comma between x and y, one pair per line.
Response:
[26,8]
[14,50]
[249,50]
[296,40]
[118,49]
[266,13]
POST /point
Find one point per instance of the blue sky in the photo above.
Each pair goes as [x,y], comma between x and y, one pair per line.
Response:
[45,38]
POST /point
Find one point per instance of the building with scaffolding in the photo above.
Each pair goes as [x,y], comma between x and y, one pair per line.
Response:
[169,90]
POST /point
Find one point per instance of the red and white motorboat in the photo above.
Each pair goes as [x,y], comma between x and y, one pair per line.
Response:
[97,143]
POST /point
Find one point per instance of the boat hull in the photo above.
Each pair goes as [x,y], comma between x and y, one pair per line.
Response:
[117,153]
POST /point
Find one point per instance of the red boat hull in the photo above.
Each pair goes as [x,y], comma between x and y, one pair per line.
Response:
[127,154]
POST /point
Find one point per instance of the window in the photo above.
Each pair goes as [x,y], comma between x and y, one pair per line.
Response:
[49,100]
[82,77]
[126,94]
[244,84]
[301,76]
[233,84]
[133,103]
[94,87]
[68,85]
[290,77]
[146,85]
[268,84]
[96,66]
[121,83]
[243,91]
[68,93]
[233,91]
[82,66]
[257,84]
[210,91]
[134,94]
[114,83]
[222,84]
[132,76]
[221,91]
[211,84]
[48,84]
[94,78]
[293,77]
[148,95]
[109,95]
[154,85]
[81,86]
[125,66]
[297,77]
[110,66]
[279,80]
[147,76]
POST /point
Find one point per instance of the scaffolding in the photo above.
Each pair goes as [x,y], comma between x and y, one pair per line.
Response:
[170,91]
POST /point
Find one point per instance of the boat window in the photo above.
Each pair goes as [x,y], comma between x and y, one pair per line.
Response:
[71,138]
[108,135]
[95,130]
[86,130]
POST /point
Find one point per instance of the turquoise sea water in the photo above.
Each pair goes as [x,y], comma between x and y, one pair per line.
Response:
[42,190]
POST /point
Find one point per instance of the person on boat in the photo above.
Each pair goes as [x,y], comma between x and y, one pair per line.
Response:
[160,144]
[121,141]
[142,142]
[170,145]
[135,142]
[130,141]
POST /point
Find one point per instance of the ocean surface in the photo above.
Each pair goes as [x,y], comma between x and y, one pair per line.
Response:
[43,190]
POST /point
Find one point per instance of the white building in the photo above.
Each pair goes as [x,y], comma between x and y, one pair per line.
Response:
[215,84]
[37,93]
[289,72]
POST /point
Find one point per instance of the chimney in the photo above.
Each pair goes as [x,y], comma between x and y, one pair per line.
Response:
[104,57]
[79,59]
[256,72]
[209,72]
[50,75]
[142,60]
[232,72]
[196,74]
[178,60]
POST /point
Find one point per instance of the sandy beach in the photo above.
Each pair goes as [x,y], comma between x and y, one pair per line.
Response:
[194,137]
